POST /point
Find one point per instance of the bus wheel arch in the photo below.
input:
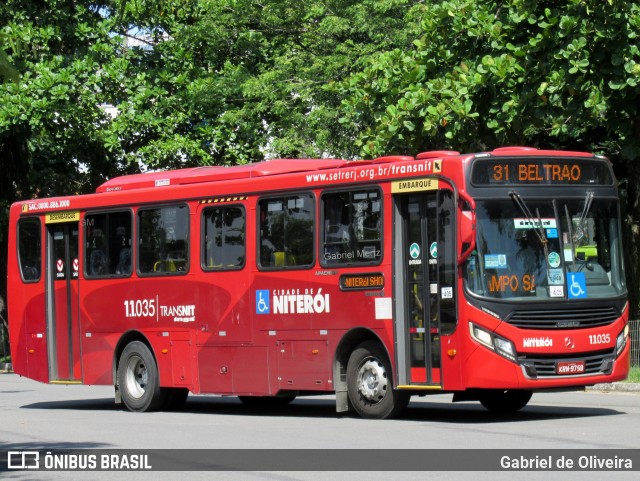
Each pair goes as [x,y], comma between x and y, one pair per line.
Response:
[362,354]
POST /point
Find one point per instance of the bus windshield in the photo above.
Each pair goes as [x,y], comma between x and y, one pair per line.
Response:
[541,249]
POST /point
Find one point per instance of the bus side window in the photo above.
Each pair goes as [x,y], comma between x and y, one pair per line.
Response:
[352,228]
[30,249]
[287,227]
[223,246]
[108,244]
[163,243]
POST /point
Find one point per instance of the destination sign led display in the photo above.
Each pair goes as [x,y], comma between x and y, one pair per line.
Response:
[541,171]
[361,281]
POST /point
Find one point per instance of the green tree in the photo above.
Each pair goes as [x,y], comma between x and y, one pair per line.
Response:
[191,83]
[51,55]
[485,74]
[230,81]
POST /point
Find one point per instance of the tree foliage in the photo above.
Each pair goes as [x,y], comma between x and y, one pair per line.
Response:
[51,126]
[233,81]
[238,79]
[485,74]
[560,75]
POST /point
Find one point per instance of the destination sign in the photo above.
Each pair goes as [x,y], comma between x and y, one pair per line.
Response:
[361,281]
[541,171]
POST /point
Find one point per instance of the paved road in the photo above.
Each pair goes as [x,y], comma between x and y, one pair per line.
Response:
[47,417]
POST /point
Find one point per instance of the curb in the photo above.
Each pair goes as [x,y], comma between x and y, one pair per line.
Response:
[616,387]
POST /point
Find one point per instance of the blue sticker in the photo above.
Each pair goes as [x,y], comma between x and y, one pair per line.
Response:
[552,233]
[262,302]
[495,261]
[576,285]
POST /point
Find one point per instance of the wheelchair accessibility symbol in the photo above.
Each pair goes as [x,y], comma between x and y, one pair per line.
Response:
[576,285]
[262,302]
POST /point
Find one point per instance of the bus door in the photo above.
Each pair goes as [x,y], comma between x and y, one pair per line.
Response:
[424,282]
[63,330]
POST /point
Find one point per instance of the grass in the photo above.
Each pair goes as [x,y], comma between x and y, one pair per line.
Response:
[634,374]
[5,359]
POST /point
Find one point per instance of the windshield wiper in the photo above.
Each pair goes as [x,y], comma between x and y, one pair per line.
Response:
[579,232]
[536,223]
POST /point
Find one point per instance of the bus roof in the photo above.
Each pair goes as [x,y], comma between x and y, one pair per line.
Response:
[196,175]
[525,151]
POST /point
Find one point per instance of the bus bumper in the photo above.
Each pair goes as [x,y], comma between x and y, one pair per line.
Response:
[489,370]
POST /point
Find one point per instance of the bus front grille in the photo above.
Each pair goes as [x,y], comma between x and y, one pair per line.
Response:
[563,319]
[536,366]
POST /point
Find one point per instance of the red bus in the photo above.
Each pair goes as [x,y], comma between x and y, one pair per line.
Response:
[489,276]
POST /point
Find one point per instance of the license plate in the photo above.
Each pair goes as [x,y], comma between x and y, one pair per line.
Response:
[570,367]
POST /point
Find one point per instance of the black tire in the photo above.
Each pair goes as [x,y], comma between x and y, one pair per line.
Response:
[138,379]
[268,402]
[370,386]
[505,401]
[175,398]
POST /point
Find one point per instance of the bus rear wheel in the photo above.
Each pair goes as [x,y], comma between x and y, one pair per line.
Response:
[369,383]
[505,401]
[138,379]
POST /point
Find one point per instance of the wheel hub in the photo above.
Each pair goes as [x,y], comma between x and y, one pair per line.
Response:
[372,380]
[137,377]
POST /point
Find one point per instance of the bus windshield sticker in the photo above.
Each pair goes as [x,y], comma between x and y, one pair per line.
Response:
[556,277]
[556,291]
[568,254]
[576,285]
[534,223]
[552,233]
[554,259]
[495,261]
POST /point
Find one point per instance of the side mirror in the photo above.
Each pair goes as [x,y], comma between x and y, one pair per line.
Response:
[466,227]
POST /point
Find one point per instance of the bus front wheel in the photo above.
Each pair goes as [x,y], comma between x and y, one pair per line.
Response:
[369,383]
[505,401]
[138,379]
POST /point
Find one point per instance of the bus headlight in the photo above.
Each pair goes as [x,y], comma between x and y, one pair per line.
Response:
[502,346]
[505,348]
[621,340]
